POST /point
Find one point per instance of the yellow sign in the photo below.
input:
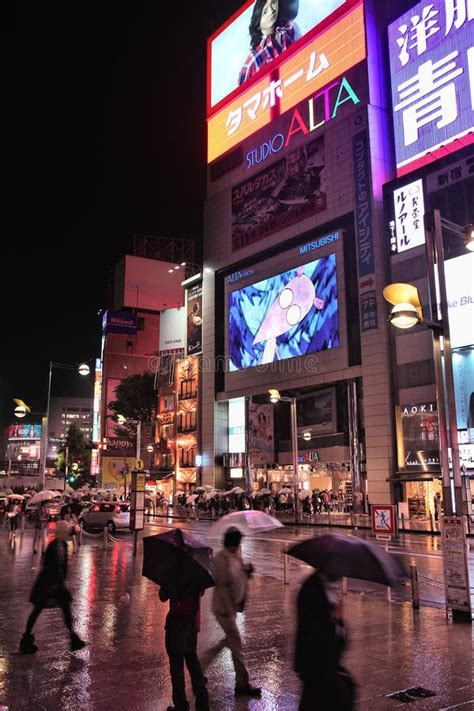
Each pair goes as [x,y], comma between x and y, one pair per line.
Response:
[112,470]
[140,481]
[139,464]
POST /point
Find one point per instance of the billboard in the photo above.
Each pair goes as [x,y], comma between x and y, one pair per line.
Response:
[463,371]
[316,413]
[460,292]
[261,436]
[172,330]
[432,73]
[321,58]
[194,319]
[290,314]
[24,432]
[252,41]
[119,322]
[418,437]
[286,192]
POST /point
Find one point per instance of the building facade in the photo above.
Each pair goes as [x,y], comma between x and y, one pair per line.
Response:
[296,256]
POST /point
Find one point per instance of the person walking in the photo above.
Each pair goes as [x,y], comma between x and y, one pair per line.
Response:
[13,514]
[438,510]
[320,641]
[41,526]
[231,577]
[49,590]
[181,632]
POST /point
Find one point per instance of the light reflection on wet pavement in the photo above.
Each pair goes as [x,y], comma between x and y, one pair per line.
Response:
[125,664]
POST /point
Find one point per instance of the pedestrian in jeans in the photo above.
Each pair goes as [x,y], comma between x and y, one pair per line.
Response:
[181,631]
[49,590]
[41,525]
[231,578]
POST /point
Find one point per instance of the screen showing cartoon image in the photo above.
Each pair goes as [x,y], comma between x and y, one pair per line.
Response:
[287,315]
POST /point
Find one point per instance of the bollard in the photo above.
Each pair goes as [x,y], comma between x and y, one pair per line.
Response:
[432,528]
[105,538]
[389,589]
[344,586]
[415,591]
[403,522]
[285,569]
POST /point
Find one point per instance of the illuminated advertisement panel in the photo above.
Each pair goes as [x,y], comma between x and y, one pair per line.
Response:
[432,73]
[22,432]
[320,61]
[252,41]
[409,210]
[290,314]
[286,192]
[459,274]
[97,398]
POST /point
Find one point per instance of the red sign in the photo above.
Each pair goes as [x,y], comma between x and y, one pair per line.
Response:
[383,519]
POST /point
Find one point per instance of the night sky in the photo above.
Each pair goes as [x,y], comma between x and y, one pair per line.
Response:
[103,137]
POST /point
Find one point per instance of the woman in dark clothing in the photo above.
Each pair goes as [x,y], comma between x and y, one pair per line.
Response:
[49,590]
[320,640]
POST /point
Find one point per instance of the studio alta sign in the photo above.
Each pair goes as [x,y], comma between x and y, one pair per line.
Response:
[307,118]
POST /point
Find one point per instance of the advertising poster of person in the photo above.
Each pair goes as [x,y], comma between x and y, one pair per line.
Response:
[463,370]
[290,314]
[260,34]
[194,320]
[261,437]
[24,432]
[286,192]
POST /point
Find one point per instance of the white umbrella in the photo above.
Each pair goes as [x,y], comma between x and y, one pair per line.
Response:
[42,496]
[19,497]
[210,495]
[285,490]
[237,490]
[305,495]
[263,492]
[191,499]
[249,523]
[253,494]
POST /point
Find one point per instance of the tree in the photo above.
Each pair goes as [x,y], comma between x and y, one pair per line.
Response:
[135,399]
[79,456]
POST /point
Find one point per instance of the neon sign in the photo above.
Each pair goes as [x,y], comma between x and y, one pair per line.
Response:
[330,54]
[432,72]
[307,117]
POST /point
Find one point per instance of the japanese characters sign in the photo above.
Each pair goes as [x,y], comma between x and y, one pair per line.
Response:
[432,72]
[320,62]
[451,174]
[364,230]
[456,571]
[409,209]
[286,192]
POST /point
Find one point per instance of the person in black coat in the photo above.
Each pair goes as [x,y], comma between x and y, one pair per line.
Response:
[320,640]
[49,590]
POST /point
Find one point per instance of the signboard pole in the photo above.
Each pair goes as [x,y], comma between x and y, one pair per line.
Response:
[456,568]
[137,506]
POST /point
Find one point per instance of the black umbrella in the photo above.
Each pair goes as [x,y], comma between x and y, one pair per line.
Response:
[350,557]
[179,562]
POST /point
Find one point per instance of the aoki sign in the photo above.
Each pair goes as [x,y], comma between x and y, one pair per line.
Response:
[432,72]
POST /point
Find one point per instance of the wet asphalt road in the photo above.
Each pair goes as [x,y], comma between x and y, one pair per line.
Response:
[125,665]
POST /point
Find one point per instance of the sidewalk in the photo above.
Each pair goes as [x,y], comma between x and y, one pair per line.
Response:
[125,664]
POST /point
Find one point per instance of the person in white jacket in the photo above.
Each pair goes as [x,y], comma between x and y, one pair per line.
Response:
[231,576]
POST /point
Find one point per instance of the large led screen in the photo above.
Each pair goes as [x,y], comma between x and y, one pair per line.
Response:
[257,36]
[291,314]
[333,47]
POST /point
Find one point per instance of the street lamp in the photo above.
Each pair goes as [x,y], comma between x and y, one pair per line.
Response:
[21,408]
[407,312]
[275,397]
[83,369]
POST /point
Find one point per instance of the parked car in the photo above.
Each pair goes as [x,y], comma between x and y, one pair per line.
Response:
[112,515]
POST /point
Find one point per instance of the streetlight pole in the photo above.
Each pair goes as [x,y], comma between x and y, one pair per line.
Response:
[446,399]
[44,434]
[294,442]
